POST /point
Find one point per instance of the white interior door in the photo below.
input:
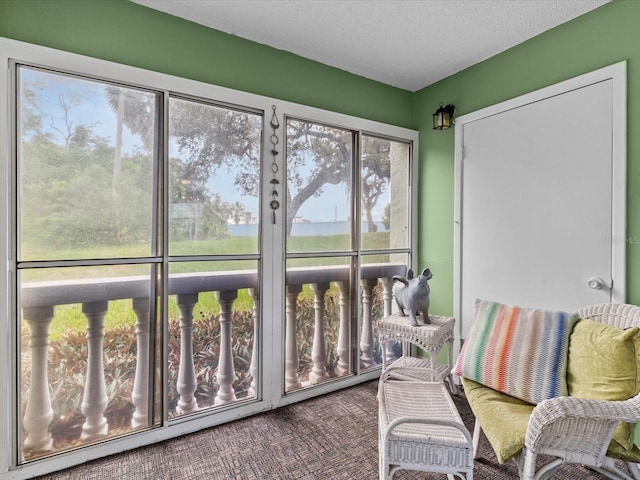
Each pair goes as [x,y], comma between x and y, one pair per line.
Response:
[537,190]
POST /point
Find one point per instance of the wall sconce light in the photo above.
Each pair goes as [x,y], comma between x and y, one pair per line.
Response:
[443,117]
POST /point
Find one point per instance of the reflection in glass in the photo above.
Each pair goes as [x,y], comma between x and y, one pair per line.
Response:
[213,319]
[85,162]
[319,162]
[214,179]
[84,367]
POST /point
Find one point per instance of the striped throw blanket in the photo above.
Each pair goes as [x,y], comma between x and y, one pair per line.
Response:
[518,351]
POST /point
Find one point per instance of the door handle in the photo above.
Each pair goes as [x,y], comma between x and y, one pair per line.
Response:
[597,283]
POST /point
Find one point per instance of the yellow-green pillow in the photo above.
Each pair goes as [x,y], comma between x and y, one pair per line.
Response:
[504,419]
[636,433]
[602,366]
[616,450]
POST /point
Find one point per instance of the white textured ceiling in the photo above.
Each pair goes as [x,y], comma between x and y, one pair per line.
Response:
[405,43]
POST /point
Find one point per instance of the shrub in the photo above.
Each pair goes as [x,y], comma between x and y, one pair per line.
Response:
[206,352]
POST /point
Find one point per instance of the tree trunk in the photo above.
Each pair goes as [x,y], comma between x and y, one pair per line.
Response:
[117,164]
[371,225]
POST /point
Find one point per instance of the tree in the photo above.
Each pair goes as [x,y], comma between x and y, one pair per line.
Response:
[324,152]
[386,216]
[79,134]
[327,152]
[136,109]
[237,211]
[30,114]
[202,213]
[209,137]
[66,196]
[376,171]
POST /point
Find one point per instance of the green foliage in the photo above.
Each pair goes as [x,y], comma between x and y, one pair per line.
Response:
[79,189]
[206,351]
[68,364]
[68,199]
[376,172]
[208,304]
[210,136]
[194,212]
[386,216]
[305,327]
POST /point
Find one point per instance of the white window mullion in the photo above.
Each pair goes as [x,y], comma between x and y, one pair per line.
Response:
[162,235]
[7,291]
[272,258]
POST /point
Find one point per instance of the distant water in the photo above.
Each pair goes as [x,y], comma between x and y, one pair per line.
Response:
[306,229]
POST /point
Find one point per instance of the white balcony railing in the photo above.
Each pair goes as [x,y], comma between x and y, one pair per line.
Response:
[39,300]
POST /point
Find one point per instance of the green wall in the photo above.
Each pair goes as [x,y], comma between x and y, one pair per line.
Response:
[128,33]
[602,37]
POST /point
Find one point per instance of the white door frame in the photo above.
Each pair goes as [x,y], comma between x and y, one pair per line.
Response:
[616,73]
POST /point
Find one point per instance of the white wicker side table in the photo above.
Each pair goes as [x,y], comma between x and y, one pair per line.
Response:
[430,338]
[421,429]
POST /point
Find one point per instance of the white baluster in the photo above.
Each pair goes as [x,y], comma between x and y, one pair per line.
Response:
[95,400]
[226,370]
[38,414]
[253,368]
[344,359]
[140,395]
[387,301]
[186,385]
[387,295]
[318,372]
[292,362]
[366,338]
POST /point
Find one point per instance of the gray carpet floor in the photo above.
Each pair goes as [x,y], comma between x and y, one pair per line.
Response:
[326,438]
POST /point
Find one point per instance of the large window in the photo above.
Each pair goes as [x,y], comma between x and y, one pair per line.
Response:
[155,287]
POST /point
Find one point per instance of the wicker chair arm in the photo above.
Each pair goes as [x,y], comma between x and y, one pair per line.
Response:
[578,423]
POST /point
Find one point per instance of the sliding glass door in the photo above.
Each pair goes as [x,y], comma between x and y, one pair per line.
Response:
[347,235]
[88,264]
[127,255]
[214,255]
[182,255]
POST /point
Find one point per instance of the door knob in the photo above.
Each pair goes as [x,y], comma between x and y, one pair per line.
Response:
[597,283]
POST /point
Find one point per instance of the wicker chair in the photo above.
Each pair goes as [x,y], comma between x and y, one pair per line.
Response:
[577,430]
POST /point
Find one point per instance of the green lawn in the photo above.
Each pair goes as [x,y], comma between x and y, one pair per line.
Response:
[70,317]
[225,246]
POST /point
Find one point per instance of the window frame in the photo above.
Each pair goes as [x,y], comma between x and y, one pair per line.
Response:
[272,269]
